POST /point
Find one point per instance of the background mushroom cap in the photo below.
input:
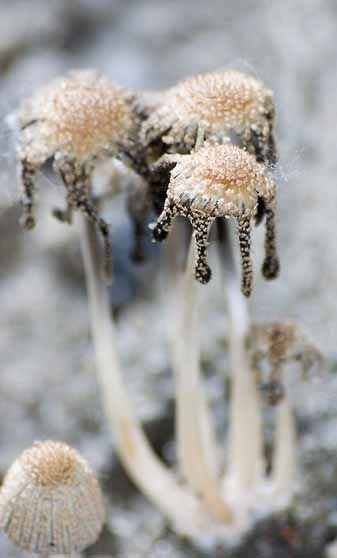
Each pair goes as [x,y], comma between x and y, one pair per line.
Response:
[80,114]
[51,501]
[229,99]
[218,101]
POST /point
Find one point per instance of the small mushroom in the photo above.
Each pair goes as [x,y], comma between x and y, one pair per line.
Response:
[73,121]
[50,501]
[276,344]
[273,346]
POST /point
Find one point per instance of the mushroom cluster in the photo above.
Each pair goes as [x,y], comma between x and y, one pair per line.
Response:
[222,121]
[219,131]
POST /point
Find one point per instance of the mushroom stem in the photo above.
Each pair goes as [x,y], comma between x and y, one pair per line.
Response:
[245,426]
[134,451]
[196,445]
[284,468]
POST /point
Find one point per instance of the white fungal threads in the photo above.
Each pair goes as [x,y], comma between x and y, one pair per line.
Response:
[74,120]
[50,501]
[219,181]
[214,104]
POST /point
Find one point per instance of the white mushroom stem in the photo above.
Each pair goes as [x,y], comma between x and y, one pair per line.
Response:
[285,455]
[196,446]
[134,451]
[245,435]
[245,424]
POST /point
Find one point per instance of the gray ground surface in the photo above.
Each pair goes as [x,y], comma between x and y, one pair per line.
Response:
[48,387]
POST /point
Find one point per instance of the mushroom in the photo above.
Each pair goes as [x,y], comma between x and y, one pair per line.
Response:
[220,181]
[276,345]
[74,121]
[215,181]
[273,347]
[197,447]
[50,501]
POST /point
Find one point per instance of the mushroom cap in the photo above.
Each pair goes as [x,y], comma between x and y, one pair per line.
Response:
[276,338]
[218,101]
[285,341]
[222,180]
[221,99]
[79,115]
[51,501]
[278,344]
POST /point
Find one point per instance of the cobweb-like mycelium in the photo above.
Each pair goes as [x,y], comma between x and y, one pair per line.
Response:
[74,121]
[220,181]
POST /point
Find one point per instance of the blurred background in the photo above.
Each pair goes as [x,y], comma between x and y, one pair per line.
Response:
[47,383]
